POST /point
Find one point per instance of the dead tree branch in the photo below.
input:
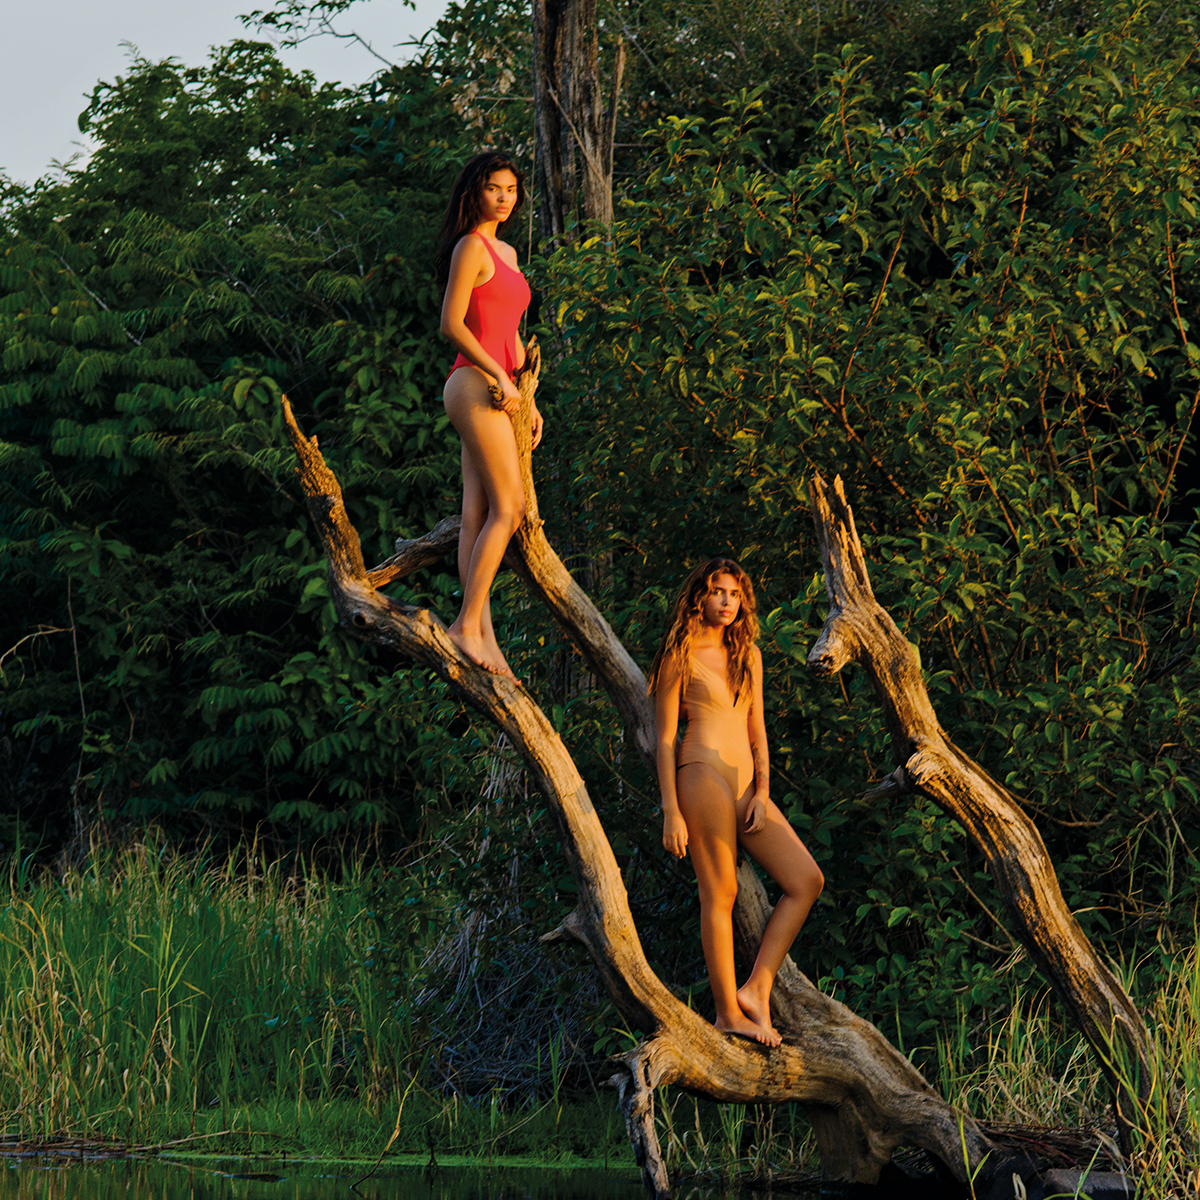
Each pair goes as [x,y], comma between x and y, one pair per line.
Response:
[859,630]
[865,1097]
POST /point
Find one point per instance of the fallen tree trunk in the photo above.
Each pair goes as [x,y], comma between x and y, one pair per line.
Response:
[858,629]
[865,1097]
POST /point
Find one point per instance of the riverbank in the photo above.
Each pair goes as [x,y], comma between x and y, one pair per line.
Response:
[590,1133]
[157,1004]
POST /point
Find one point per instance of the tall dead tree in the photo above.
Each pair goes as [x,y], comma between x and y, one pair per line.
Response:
[574,132]
[864,1097]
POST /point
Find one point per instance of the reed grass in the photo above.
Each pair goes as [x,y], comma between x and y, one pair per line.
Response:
[1166,1152]
[150,1000]
[249,1007]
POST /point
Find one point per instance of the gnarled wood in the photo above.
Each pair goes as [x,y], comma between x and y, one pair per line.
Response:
[866,1097]
[413,554]
[859,630]
[574,136]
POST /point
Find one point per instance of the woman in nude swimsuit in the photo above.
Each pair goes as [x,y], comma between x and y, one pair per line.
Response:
[715,785]
[485,296]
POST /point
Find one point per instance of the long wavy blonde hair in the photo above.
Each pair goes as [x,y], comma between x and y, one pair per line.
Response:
[687,615]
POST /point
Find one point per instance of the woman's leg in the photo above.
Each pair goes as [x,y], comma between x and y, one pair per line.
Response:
[784,857]
[493,508]
[474,517]
[706,803]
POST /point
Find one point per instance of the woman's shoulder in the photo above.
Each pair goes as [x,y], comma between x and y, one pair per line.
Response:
[508,253]
[469,250]
[670,670]
[470,245]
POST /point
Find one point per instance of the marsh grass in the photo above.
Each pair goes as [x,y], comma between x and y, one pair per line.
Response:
[1166,1152]
[151,1000]
[1022,1068]
[1025,1069]
[247,1007]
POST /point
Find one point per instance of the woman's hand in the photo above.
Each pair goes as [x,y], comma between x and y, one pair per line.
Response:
[756,814]
[538,426]
[675,836]
[505,396]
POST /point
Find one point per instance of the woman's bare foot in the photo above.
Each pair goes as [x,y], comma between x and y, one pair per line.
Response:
[742,1026]
[482,651]
[505,669]
[758,1010]
[477,650]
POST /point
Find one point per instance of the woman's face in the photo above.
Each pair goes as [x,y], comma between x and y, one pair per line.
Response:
[499,196]
[723,602]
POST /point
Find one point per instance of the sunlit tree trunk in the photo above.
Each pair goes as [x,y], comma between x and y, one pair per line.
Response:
[864,1097]
[574,132]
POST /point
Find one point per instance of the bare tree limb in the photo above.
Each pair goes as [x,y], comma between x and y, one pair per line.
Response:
[864,1095]
[859,630]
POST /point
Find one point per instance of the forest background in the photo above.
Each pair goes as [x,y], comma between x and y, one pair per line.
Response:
[947,251]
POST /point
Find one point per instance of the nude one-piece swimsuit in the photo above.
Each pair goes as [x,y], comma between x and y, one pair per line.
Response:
[494,312]
[717,729]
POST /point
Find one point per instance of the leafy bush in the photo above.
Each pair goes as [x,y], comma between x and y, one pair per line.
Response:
[974,314]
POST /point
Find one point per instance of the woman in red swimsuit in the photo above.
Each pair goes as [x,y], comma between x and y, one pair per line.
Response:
[485,296]
[714,784]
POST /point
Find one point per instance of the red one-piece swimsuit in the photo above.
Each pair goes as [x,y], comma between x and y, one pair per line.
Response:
[494,312]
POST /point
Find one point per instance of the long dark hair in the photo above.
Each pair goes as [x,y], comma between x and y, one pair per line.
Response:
[463,212]
[687,613]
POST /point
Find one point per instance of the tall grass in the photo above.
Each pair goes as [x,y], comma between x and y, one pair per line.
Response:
[148,999]
[1021,1068]
[146,983]
[1166,1152]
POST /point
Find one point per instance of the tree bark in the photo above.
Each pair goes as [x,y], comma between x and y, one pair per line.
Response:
[859,630]
[574,136]
[865,1096]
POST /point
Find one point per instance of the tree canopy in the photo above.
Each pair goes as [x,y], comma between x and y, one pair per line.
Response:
[953,261]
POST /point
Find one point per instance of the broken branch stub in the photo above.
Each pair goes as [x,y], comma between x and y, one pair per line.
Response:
[865,1096]
[859,630]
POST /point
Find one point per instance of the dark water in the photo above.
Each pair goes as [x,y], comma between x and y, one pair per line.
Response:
[124,1179]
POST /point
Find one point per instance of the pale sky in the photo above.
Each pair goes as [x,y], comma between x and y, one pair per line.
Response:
[56,51]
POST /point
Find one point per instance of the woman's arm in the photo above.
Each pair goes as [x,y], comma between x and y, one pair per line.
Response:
[666,712]
[535,417]
[465,264]
[756,811]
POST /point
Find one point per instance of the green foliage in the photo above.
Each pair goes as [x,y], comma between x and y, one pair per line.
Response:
[153,998]
[238,231]
[968,290]
[975,314]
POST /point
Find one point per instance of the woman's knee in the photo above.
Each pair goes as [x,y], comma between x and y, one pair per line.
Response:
[806,884]
[818,883]
[509,516]
[814,882]
[718,896]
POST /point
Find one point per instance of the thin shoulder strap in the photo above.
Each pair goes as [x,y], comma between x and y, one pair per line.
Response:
[495,256]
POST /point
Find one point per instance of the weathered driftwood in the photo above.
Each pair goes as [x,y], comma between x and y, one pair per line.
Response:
[865,1097]
[859,630]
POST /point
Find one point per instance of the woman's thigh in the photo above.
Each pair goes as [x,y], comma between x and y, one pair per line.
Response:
[777,848]
[489,444]
[707,806]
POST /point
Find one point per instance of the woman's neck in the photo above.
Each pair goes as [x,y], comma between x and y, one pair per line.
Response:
[710,637]
[487,229]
